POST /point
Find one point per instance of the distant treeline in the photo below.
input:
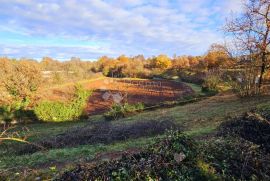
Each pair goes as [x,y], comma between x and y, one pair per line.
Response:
[20,78]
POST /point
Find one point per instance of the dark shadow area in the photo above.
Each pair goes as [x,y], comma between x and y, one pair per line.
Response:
[20,115]
[102,132]
[251,126]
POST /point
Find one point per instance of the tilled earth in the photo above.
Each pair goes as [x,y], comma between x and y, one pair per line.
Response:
[111,90]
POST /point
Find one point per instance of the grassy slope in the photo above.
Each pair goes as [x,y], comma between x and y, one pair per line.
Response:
[197,118]
[195,87]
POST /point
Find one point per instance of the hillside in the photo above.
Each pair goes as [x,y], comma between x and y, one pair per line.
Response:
[114,90]
[131,134]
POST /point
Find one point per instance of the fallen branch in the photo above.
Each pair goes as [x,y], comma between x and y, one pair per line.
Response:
[6,135]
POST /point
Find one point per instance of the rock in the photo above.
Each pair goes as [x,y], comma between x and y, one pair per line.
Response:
[179,157]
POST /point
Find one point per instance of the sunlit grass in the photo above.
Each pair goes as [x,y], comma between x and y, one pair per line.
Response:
[196,119]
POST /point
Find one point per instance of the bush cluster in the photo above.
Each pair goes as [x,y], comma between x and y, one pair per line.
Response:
[235,158]
[49,111]
[251,126]
[242,151]
[172,158]
[192,77]
[122,110]
[16,111]
[211,83]
[263,110]
[178,157]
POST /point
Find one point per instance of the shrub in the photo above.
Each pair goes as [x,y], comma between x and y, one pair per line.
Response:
[264,110]
[54,111]
[242,151]
[245,82]
[192,77]
[252,127]
[58,111]
[171,158]
[211,83]
[122,110]
[236,159]
[16,110]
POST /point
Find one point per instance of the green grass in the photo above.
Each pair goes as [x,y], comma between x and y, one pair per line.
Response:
[74,155]
[196,88]
[209,111]
[196,119]
[40,130]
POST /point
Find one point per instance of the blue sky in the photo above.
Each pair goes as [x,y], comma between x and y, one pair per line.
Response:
[91,28]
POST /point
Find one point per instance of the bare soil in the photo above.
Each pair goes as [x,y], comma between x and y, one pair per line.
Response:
[149,92]
[108,91]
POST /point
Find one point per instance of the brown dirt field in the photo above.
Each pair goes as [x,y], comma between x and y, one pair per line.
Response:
[110,90]
[149,92]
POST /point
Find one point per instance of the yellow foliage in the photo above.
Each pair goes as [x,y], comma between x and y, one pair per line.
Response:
[123,59]
[162,62]
[217,56]
[206,168]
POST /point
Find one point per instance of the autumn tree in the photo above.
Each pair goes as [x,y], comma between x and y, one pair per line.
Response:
[103,64]
[123,60]
[122,66]
[49,64]
[180,62]
[135,68]
[76,69]
[218,56]
[139,58]
[162,62]
[19,79]
[251,33]
[193,61]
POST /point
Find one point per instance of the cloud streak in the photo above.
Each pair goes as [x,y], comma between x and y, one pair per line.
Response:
[91,28]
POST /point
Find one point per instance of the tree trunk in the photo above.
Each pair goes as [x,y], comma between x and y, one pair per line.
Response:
[262,70]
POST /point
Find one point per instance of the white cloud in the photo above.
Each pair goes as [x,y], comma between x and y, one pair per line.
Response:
[129,27]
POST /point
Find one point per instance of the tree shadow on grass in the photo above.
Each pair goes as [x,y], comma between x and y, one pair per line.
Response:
[101,132]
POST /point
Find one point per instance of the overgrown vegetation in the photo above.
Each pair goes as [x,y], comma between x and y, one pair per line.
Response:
[173,158]
[209,114]
[17,111]
[236,159]
[49,111]
[123,110]
[240,151]
[252,127]
[211,83]
[18,83]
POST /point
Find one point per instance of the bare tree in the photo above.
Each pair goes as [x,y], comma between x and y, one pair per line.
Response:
[251,31]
